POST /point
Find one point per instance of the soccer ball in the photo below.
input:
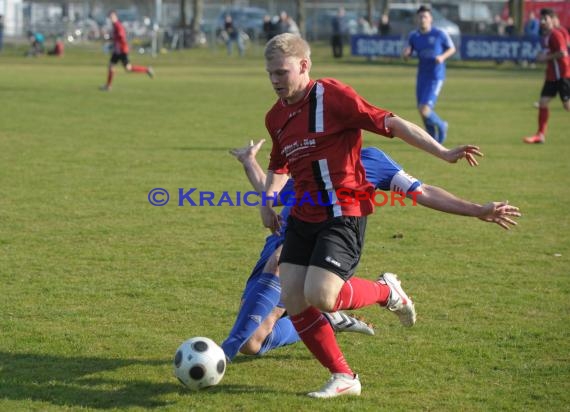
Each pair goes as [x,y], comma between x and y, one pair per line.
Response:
[199,363]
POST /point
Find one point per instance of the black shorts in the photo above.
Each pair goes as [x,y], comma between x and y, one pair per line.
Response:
[561,86]
[334,245]
[119,57]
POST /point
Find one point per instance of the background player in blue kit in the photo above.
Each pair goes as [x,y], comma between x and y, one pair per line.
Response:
[433,47]
[260,325]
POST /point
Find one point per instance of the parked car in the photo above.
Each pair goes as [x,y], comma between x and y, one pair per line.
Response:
[473,18]
[319,24]
[246,19]
[403,21]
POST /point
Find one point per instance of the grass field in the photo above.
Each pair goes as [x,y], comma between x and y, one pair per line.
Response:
[98,287]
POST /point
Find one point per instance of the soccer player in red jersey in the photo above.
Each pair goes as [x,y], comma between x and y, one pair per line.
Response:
[563,29]
[557,81]
[121,53]
[316,130]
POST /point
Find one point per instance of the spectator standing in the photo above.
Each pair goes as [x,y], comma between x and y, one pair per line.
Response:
[384,25]
[510,28]
[532,26]
[292,26]
[268,27]
[233,36]
[338,32]
[364,26]
[499,25]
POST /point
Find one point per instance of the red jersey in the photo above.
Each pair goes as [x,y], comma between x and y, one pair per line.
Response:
[120,44]
[318,140]
[566,35]
[556,41]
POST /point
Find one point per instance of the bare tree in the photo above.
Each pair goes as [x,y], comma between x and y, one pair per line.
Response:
[370,11]
[183,18]
[301,15]
[197,12]
[384,7]
[516,12]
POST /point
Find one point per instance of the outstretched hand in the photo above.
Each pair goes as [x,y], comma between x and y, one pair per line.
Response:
[271,219]
[248,152]
[466,151]
[499,212]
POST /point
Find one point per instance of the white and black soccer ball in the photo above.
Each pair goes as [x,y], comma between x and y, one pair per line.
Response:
[199,363]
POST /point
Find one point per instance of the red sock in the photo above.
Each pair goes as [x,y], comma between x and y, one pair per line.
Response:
[317,334]
[542,120]
[110,73]
[138,69]
[357,293]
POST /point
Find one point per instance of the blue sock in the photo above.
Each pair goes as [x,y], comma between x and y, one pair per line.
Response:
[283,334]
[430,128]
[257,305]
[440,124]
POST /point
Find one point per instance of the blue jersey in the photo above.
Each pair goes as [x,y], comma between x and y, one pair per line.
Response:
[428,46]
[381,170]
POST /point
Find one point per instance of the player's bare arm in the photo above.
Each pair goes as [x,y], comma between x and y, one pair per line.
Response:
[499,212]
[439,199]
[273,184]
[446,55]
[407,52]
[247,157]
[417,137]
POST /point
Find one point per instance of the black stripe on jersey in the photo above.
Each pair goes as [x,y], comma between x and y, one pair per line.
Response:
[321,184]
[313,109]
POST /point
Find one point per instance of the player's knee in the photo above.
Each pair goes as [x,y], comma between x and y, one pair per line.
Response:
[320,300]
[272,264]
[294,302]
[424,110]
[567,105]
[289,299]
[251,347]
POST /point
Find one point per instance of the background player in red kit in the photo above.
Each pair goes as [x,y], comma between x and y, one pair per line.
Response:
[315,127]
[555,54]
[121,53]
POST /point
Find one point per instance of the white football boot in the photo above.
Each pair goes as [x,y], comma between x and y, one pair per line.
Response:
[399,302]
[339,384]
[341,322]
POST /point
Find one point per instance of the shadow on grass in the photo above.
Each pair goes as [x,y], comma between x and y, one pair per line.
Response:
[85,382]
[64,381]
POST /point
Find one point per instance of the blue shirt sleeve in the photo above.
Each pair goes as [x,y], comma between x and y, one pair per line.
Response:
[381,169]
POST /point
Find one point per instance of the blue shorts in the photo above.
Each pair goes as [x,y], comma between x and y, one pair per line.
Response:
[427,92]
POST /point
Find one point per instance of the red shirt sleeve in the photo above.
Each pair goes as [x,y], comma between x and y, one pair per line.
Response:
[356,112]
[557,42]
[277,161]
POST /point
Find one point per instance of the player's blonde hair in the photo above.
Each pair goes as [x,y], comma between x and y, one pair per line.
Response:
[290,45]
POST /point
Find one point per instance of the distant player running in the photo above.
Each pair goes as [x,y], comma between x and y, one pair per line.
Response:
[260,325]
[121,53]
[433,47]
[555,54]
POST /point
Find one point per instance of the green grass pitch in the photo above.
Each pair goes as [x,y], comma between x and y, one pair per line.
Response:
[98,287]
